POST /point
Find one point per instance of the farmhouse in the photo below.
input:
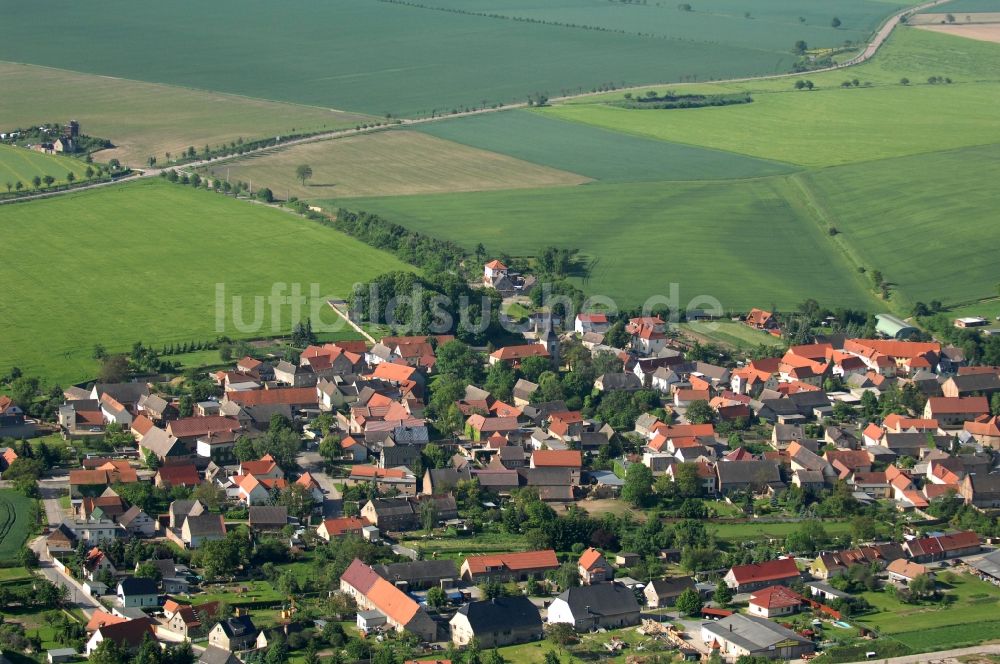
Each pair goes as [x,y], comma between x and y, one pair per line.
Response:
[509,566]
[609,605]
[372,592]
[497,622]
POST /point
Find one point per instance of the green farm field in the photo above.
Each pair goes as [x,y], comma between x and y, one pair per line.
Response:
[735,532]
[15,510]
[21,165]
[334,54]
[642,237]
[142,261]
[599,153]
[389,163]
[144,119]
[732,334]
[942,205]
[832,125]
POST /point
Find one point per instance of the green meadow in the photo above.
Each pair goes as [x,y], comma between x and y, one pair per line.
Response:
[712,238]
[928,222]
[598,153]
[389,57]
[21,165]
[832,125]
[143,261]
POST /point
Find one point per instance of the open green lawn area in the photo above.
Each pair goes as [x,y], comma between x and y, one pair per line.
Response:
[21,165]
[713,239]
[590,648]
[757,530]
[832,125]
[975,601]
[941,206]
[11,574]
[988,308]
[460,547]
[971,618]
[15,512]
[381,57]
[732,334]
[143,261]
[598,153]
[143,119]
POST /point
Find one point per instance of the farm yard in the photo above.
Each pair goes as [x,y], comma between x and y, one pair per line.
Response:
[388,163]
[323,54]
[144,119]
[15,524]
[19,164]
[172,246]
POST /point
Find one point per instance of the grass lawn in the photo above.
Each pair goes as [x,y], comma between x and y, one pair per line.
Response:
[757,530]
[975,604]
[591,647]
[732,333]
[832,125]
[15,510]
[144,119]
[460,547]
[21,165]
[713,239]
[173,246]
[11,574]
[389,163]
[599,153]
[235,593]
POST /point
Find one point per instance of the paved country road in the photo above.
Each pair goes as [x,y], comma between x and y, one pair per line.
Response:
[879,38]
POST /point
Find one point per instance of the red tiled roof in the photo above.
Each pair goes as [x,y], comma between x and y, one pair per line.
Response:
[772,570]
[557,459]
[142,424]
[286,395]
[775,597]
[344,524]
[959,405]
[190,427]
[513,561]
[179,475]
[590,558]
[520,352]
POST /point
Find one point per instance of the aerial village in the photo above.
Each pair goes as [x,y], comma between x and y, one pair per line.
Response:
[596,485]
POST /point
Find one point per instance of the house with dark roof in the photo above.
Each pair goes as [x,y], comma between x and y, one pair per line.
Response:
[235,634]
[609,605]
[664,592]
[740,635]
[201,528]
[268,518]
[444,480]
[418,574]
[755,475]
[982,491]
[138,592]
[497,622]
[129,634]
[400,514]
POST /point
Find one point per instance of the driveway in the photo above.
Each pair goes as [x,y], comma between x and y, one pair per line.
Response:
[333,503]
[77,597]
[50,490]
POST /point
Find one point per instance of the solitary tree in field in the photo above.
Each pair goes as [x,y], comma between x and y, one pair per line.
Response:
[70,177]
[303,172]
[151,160]
[48,180]
[89,172]
[835,23]
[18,186]
[36,182]
[801,46]
[950,18]
[904,81]
[10,185]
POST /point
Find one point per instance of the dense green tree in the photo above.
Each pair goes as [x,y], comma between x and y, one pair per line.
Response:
[689,602]
[638,486]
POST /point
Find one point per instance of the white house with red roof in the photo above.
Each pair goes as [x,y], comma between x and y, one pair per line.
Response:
[493,272]
[587,323]
[774,601]
[594,567]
